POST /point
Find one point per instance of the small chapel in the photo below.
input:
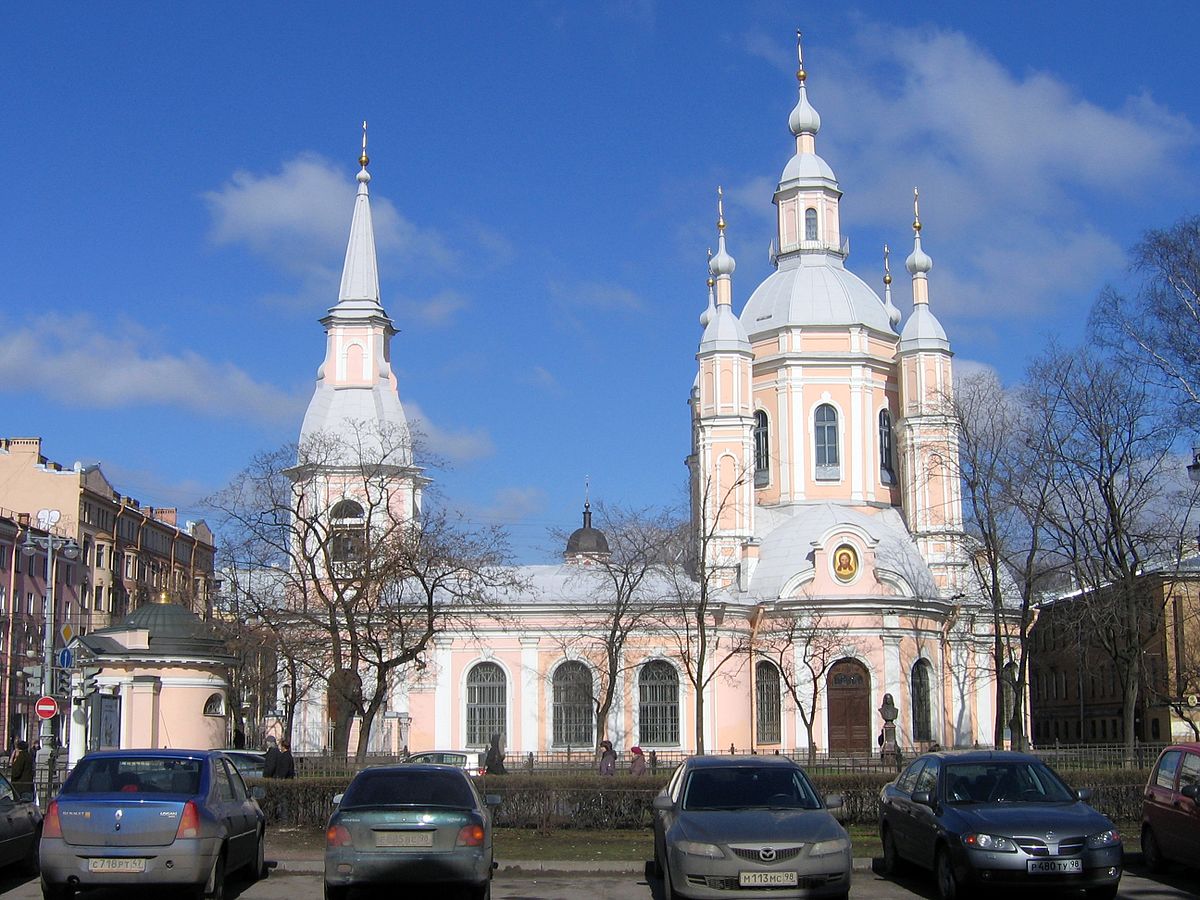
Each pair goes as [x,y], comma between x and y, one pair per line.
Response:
[823,476]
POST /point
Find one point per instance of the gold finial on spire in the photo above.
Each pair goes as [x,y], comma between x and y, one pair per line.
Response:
[800,73]
[887,270]
[916,212]
[364,159]
[720,210]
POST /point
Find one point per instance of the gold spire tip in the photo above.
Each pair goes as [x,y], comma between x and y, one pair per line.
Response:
[800,73]
[916,211]
[364,159]
[720,209]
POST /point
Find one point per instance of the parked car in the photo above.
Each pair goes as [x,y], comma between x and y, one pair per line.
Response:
[754,826]
[150,817]
[20,828]
[999,818]
[1171,808]
[250,763]
[410,824]
[470,761]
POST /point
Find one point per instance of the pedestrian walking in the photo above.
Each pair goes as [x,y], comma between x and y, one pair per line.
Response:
[21,769]
[637,761]
[271,760]
[286,767]
[494,762]
[608,758]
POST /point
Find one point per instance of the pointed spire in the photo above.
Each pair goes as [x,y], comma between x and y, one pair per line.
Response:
[587,501]
[892,312]
[918,262]
[804,119]
[360,273]
[721,265]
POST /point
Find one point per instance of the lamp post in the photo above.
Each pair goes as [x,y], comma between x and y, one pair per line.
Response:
[50,543]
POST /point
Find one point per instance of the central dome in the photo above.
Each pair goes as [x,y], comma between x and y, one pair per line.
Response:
[813,289]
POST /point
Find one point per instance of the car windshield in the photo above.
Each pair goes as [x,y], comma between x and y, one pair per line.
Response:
[1004,782]
[413,788]
[136,775]
[742,787]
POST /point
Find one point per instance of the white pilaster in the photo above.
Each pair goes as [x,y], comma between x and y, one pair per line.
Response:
[530,680]
[442,695]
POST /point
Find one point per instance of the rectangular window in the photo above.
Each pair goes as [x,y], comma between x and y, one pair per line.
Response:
[99,556]
[98,598]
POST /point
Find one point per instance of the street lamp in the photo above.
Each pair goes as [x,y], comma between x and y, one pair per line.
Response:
[50,543]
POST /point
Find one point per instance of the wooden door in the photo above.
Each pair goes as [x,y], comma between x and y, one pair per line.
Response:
[848,693]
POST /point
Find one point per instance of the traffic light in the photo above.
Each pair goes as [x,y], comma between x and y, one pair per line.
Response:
[89,674]
[33,679]
[62,682]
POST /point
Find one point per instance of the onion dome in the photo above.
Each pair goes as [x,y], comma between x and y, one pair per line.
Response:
[711,310]
[804,119]
[918,261]
[586,541]
[890,308]
[722,263]
[922,331]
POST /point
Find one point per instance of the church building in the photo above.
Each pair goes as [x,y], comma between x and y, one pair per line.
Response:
[824,492]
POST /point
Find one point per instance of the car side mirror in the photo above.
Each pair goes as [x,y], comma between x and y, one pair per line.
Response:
[258,792]
[663,803]
[834,801]
[26,796]
[337,799]
[923,798]
[1191,791]
[492,800]
[1084,794]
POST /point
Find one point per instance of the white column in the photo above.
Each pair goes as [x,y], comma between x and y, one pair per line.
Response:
[443,693]
[530,680]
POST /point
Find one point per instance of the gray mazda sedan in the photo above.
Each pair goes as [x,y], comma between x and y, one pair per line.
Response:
[997,818]
[406,825]
[750,826]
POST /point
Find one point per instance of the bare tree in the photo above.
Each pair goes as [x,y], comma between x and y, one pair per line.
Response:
[336,528]
[624,590]
[1004,466]
[1159,324]
[803,643]
[1115,507]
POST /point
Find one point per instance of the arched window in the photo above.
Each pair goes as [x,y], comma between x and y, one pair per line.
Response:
[887,474]
[347,539]
[825,426]
[573,709]
[922,724]
[658,704]
[762,454]
[810,224]
[214,705]
[767,712]
[487,704]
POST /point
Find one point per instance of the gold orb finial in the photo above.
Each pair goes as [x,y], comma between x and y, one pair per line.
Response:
[711,281]
[916,212]
[887,269]
[364,160]
[720,209]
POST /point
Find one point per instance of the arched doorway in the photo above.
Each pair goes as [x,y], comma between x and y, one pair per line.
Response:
[848,689]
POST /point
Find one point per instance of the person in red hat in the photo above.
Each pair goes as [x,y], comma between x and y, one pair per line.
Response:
[637,761]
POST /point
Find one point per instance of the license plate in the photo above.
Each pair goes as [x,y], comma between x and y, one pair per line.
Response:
[120,864]
[404,839]
[766,879]
[1053,866]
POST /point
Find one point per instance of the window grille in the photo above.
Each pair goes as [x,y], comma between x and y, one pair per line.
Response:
[810,224]
[762,457]
[825,424]
[768,725]
[573,705]
[487,704]
[658,704]
[886,465]
[922,725]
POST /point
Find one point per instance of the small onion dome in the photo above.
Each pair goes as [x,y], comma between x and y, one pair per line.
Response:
[587,541]
[722,263]
[918,261]
[804,119]
[706,316]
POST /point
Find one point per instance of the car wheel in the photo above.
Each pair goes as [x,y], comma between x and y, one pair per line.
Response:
[1151,854]
[214,888]
[892,863]
[656,866]
[943,869]
[30,865]
[259,865]
[668,888]
[56,891]
[338,892]
[482,893]
[1107,892]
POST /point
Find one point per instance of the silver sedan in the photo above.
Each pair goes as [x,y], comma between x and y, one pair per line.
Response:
[752,825]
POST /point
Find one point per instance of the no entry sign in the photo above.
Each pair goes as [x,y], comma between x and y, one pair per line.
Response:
[46,708]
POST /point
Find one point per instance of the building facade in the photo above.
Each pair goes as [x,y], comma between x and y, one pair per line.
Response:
[824,492]
[128,555]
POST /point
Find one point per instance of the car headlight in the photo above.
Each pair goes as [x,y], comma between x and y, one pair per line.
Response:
[697,848]
[824,848]
[1108,838]
[993,843]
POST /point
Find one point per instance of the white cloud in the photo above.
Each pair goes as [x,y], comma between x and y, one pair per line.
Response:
[99,370]
[512,504]
[454,446]
[299,218]
[437,311]
[595,295]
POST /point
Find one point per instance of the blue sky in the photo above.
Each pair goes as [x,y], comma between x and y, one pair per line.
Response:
[178,182]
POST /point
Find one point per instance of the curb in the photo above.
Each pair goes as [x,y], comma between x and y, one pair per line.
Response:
[517,867]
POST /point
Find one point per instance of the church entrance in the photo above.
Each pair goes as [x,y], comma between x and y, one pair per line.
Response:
[848,692]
